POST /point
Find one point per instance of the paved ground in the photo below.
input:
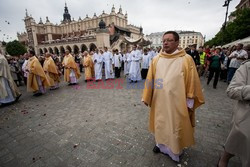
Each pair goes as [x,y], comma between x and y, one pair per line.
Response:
[76,126]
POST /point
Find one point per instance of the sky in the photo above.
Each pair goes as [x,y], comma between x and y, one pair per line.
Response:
[205,16]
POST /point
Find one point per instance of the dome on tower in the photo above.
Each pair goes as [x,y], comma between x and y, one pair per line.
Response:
[40,22]
[102,24]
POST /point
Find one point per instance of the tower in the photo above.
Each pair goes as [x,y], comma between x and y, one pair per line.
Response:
[66,15]
[120,10]
[113,10]
[102,36]
[30,26]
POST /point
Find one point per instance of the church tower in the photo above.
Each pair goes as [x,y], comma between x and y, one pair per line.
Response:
[30,26]
[66,15]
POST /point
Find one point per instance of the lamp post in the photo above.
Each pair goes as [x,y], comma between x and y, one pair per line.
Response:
[227,2]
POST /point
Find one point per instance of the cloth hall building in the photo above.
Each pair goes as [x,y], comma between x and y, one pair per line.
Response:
[111,30]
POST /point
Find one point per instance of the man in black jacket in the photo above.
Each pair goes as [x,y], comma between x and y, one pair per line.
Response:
[195,55]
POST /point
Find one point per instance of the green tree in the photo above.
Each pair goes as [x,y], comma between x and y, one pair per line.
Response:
[15,48]
[238,29]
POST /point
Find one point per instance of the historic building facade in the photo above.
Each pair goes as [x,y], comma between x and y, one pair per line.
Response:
[187,38]
[77,36]
[242,5]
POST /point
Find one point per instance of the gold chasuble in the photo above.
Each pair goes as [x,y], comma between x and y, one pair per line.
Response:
[69,63]
[89,66]
[35,69]
[175,79]
[51,72]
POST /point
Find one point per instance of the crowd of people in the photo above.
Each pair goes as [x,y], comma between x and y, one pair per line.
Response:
[41,72]
[180,69]
[217,62]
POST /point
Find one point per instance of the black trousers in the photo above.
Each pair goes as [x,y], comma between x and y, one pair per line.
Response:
[117,72]
[25,80]
[144,73]
[81,67]
[213,71]
[223,74]
[19,77]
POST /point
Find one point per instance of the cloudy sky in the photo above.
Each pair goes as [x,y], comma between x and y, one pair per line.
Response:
[205,16]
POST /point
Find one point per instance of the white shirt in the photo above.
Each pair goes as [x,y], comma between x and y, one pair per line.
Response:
[235,63]
[145,61]
[25,68]
[125,57]
[140,54]
[135,56]
[97,58]
[129,58]
[152,54]
[117,60]
[107,56]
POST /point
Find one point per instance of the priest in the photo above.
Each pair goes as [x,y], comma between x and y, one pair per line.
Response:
[98,62]
[135,69]
[71,71]
[173,93]
[51,71]
[108,60]
[8,90]
[37,81]
[88,66]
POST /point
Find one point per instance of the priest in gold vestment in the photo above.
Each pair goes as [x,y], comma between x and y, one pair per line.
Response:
[51,71]
[173,92]
[37,81]
[88,65]
[71,71]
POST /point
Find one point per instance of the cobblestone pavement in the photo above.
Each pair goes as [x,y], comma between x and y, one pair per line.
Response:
[76,126]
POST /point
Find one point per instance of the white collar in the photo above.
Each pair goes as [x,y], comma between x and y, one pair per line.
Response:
[176,51]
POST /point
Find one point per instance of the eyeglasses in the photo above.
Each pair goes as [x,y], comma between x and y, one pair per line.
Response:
[168,40]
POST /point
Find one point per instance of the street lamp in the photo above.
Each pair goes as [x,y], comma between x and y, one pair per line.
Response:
[227,2]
